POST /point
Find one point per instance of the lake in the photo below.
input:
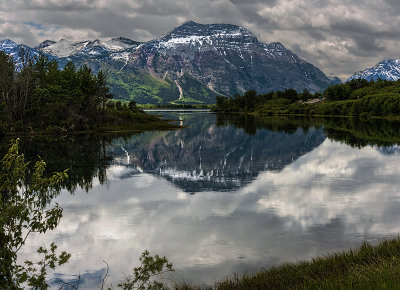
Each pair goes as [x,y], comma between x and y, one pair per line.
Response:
[227,194]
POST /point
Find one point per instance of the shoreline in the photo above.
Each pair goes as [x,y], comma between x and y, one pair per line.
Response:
[106,130]
[366,267]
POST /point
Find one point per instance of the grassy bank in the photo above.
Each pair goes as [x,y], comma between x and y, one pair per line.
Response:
[369,267]
[123,120]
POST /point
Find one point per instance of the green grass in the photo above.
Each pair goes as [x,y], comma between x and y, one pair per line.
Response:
[369,267]
[141,87]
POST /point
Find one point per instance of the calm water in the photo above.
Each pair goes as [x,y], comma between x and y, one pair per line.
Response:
[227,195]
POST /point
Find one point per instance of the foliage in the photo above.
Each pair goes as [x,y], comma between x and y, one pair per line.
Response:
[142,275]
[35,273]
[21,213]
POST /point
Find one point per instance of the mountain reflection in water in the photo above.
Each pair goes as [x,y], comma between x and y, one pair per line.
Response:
[267,192]
[209,157]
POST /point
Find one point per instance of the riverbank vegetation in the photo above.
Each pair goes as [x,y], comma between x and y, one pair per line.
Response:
[369,267]
[36,95]
[357,98]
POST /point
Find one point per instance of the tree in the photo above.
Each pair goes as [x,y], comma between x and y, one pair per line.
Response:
[220,103]
[132,105]
[7,75]
[150,267]
[103,92]
[305,95]
[22,212]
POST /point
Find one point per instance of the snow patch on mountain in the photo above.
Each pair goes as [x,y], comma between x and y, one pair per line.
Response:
[65,48]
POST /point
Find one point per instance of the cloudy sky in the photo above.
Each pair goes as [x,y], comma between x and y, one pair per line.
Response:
[338,36]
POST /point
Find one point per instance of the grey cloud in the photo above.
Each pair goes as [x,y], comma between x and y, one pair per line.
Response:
[393,4]
[162,8]
[52,5]
[250,2]
[316,34]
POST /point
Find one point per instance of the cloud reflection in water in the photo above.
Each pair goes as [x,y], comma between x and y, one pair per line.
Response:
[331,198]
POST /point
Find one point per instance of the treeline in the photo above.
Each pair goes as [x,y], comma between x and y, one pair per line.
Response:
[361,98]
[357,97]
[250,100]
[356,89]
[37,95]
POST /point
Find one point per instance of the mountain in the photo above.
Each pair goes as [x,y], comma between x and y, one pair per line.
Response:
[388,69]
[334,79]
[193,63]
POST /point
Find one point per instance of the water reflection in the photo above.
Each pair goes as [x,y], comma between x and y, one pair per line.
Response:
[315,196]
[214,157]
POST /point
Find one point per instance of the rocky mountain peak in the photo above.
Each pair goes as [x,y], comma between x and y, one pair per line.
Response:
[209,31]
[277,45]
[45,43]
[126,41]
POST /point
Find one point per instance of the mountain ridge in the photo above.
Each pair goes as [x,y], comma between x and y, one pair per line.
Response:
[192,63]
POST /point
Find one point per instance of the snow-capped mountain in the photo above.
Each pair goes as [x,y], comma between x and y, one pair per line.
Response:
[193,63]
[203,61]
[65,48]
[388,69]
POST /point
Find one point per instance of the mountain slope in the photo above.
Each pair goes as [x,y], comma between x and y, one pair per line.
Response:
[191,64]
[388,69]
